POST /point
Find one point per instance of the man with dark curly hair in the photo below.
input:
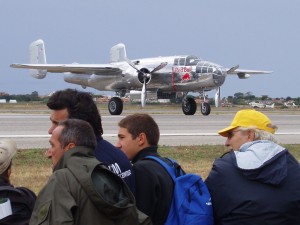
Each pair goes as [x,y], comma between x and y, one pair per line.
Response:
[73,104]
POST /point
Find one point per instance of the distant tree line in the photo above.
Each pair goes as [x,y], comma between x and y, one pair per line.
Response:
[244,98]
[34,96]
[237,99]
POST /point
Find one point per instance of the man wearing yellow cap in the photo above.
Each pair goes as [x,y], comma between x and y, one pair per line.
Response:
[257,181]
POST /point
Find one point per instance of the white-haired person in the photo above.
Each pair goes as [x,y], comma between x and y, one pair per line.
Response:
[257,181]
[16,202]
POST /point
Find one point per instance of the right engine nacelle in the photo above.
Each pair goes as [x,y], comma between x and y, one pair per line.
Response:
[141,75]
[243,75]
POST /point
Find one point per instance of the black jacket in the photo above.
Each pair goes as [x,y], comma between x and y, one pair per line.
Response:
[154,186]
[22,202]
[267,194]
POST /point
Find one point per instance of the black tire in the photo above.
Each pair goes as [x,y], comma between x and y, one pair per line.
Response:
[115,106]
[189,106]
[205,109]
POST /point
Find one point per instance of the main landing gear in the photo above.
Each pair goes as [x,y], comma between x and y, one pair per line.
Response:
[189,107]
[115,106]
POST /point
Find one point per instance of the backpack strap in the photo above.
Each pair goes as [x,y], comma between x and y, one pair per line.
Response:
[173,168]
[10,188]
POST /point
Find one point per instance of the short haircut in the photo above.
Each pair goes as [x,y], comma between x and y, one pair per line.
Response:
[80,105]
[141,123]
[78,132]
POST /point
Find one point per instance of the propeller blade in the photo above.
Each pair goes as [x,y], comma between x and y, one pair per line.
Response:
[232,69]
[217,97]
[159,67]
[132,65]
[143,94]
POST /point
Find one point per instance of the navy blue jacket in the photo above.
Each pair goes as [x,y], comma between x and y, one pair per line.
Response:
[269,194]
[116,160]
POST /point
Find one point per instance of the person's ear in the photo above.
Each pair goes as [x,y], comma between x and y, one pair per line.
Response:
[142,138]
[251,135]
[69,146]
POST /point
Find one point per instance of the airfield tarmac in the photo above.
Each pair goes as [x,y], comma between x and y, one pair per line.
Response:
[29,129]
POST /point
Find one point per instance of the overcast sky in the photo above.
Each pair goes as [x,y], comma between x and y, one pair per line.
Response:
[255,34]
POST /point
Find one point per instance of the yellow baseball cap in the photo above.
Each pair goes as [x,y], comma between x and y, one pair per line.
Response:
[249,118]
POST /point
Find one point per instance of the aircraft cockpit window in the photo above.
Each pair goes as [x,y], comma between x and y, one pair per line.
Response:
[181,61]
[176,61]
[208,68]
[204,69]
[219,72]
[191,61]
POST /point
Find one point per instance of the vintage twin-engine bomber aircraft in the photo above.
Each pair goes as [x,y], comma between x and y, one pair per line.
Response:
[186,73]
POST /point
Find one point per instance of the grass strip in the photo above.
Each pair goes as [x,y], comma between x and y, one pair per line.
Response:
[32,169]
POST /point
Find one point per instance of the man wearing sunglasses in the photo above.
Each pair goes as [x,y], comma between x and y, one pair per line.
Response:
[257,181]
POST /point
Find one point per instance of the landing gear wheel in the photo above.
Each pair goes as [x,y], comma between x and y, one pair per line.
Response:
[115,106]
[205,108]
[189,106]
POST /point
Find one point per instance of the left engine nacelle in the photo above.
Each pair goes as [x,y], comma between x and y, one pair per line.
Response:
[144,72]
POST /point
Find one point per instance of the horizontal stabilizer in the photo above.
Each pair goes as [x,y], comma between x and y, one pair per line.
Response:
[72,68]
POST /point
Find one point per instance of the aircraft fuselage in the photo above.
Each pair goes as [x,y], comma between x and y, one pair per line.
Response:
[177,76]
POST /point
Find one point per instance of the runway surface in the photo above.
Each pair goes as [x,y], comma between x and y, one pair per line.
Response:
[31,130]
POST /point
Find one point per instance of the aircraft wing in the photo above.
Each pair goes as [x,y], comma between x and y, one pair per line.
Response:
[241,71]
[244,74]
[72,68]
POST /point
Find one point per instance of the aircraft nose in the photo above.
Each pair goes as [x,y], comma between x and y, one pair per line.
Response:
[219,76]
[216,71]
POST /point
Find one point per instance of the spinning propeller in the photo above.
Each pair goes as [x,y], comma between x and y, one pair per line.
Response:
[145,76]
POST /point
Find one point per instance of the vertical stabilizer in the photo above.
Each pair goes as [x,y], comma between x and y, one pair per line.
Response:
[118,53]
[37,55]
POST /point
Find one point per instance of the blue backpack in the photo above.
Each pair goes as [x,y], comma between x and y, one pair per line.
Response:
[191,202]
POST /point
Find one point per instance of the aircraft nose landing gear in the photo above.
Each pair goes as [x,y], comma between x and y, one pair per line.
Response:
[205,109]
